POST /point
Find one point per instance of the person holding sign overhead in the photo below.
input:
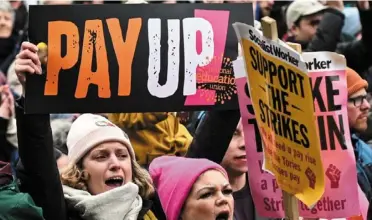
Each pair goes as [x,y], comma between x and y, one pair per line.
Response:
[103,179]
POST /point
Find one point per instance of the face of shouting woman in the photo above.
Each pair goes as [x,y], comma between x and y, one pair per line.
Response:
[108,166]
[210,198]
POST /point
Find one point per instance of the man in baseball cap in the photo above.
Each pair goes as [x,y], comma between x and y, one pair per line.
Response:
[303,18]
[303,9]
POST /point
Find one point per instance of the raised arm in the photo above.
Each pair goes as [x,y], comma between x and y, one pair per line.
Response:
[38,173]
[213,135]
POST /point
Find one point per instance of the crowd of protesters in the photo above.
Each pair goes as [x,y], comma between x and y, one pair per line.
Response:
[164,165]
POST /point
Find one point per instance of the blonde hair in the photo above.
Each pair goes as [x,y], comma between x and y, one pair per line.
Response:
[73,176]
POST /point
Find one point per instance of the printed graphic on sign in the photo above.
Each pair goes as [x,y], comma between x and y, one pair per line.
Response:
[210,88]
[283,104]
[328,81]
[135,58]
[340,197]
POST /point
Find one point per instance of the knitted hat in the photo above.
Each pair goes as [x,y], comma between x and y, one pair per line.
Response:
[354,82]
[174,177]
[88,131]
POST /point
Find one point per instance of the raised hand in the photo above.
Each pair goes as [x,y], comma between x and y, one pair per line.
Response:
[7,102]
[27,62]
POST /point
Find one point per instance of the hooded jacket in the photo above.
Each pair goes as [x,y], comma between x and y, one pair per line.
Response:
[153,134]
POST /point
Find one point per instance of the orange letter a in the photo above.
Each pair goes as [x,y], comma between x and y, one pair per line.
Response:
[94,40]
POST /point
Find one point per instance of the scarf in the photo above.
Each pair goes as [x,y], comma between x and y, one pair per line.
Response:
[122,203]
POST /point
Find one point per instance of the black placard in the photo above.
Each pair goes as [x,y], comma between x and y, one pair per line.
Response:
[90,69]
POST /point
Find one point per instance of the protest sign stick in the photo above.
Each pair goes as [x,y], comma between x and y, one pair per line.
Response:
[291,202]
[296,47]
[270,30]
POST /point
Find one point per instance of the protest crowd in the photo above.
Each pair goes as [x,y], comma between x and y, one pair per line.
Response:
[189,165]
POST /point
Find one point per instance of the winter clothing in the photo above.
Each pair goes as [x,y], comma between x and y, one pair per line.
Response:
[327,35]
[8,46]
[352,22]
[354,82]
[122,203]
[174,177]
[60,129]
[12,80]
[153,134]
[15,205]
[328,38]
[40,176]
[211,140]
[21,17]
[88,131]
[363,156]
[192,120]
[11,132]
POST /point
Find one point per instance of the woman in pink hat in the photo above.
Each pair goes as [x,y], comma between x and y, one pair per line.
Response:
[192,189]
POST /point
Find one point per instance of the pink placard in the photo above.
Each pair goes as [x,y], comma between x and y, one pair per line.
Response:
[340,199]
[219,21]
[266,194]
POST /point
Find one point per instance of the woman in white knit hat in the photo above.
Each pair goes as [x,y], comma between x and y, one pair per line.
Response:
[103,179]
[102,162]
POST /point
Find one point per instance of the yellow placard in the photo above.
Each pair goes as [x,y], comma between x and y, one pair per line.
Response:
[282,100]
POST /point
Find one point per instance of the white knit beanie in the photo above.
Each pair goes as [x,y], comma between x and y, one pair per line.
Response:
[90,130]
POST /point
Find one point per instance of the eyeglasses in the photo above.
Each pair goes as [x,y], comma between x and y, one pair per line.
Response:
[357,101]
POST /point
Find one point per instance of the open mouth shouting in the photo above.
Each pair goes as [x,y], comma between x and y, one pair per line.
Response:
[223,215]
[115,181]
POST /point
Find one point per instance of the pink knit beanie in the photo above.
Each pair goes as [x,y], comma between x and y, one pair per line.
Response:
[174,177]
[90,130]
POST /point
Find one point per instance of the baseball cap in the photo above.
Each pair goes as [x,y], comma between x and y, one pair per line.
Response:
[299,8]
